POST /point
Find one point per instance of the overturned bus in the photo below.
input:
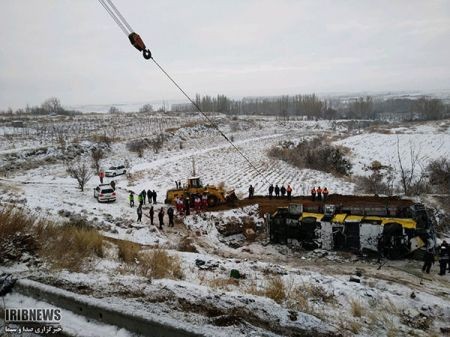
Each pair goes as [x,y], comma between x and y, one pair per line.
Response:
[396,233]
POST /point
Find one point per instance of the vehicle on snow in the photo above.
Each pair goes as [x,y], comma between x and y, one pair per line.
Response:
[357,229]
[115,171]
[194,187]
[104,193]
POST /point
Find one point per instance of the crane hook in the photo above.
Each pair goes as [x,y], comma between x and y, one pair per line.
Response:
[137,42]
[147,54]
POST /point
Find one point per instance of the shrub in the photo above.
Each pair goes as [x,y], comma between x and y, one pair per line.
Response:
[158,264]
[137,146]
[223,283]
[186,245]
[65,246]
[315,154]
[439,174]
[15,238]
[128,251]
[275,289]
[357,308]
[69,246]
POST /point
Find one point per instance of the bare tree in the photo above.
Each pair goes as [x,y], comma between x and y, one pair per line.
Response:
[52,105]
[439,174]
[412,177]
[97,154]
[114,110]
[146,108]
[81,172]
[137,146]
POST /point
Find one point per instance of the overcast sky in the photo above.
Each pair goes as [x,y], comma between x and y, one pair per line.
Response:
[73,50]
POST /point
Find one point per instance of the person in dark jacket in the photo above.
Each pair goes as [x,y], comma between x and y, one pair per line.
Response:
[149,196]
[325,194]
[154,196]
[251,190]
[187,206]
[170,214]
[448,252]
[113,185]
[144,195]
[313,194]
[151,214]
[131,199]
[428,260]
[443,257]
[270,191]
[139,214]
[277,191]
[283,190]
[380,247]
[161,217]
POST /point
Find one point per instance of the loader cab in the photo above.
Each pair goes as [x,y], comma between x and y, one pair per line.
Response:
[194,182]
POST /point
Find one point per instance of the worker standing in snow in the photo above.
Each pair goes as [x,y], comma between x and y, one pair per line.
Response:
[149,196]
[270,191]
[151,214]
[139,214]
[283,190]
[187,206]
[113,185]
[197,204]
[277,191]
[313,193]
[161,217]
[251,190]
[131,199]
[319,193]
[289,191]
[428,260]
[144,194]
[101,175]
[154,196]
[205,201]
[443,258]
[325,194]
[140,199]
[170,214]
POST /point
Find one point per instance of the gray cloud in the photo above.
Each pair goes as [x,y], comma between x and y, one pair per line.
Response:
[73,50]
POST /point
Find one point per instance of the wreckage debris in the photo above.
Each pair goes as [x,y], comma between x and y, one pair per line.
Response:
[391,232]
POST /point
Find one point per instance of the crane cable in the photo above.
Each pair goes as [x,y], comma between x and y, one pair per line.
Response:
[126,28]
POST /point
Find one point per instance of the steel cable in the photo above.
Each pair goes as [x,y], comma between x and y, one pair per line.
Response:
[115,18]
[120,15]
[120,20]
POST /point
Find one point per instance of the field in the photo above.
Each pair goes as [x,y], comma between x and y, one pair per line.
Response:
[285,292]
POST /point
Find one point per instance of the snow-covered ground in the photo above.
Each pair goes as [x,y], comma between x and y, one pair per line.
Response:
[384,295]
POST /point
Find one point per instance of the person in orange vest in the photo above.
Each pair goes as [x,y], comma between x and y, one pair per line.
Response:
[101,175]
[313,194]
[289,191]
[319,193]
[325,194]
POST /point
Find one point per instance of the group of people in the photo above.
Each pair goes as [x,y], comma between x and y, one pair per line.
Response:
[322,194]
[151,215]
[280,191]
[149,196]
[183,205]
[316,193]
[443,254]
